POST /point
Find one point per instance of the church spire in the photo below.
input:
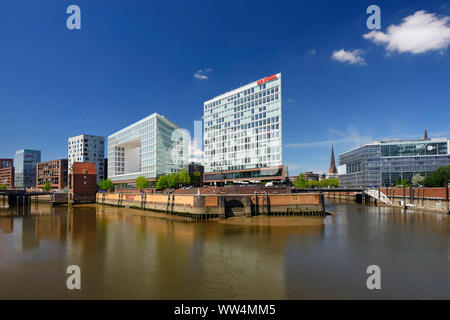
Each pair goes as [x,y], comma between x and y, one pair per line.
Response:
[425,136]
[332,164]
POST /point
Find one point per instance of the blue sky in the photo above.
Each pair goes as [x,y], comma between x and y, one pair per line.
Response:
[133,58]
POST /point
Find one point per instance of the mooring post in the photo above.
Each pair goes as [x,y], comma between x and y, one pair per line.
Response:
[446,197]
[404,197]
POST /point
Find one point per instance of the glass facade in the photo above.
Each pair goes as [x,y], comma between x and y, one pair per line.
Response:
[386,162]
[242,128]
[25,168]
[145,148]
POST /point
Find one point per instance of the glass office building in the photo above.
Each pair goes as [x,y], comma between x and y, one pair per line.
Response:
[148,148]
[384,163]
[25,168]
[243,133]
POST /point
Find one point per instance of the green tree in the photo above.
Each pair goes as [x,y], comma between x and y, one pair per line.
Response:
[2,186]
[162,183]
[106,185]
[439,178]
[417,180]
[47,186]
[173,181]
[184,178]
[142,182]
[402,183]
[301,182]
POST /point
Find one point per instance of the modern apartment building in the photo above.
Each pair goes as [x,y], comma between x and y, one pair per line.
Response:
[25,168]
[55,172]
[383,163]
[145,148]
[7,173]
[88,148]
[243,133]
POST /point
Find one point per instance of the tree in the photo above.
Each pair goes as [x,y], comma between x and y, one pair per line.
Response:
[142,182]
[106,185]
[162,183]
[172,180]
[301,182]
[439,178]
[47,186]
[2,186]
[183,178]
[417,180]
[402,183]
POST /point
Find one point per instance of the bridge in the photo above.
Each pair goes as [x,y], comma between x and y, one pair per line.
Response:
[17,197]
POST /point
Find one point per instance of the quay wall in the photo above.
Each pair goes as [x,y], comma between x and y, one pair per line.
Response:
[206,206]
[428,199]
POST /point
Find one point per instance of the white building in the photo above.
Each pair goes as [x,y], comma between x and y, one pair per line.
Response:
[87,148]
[243,133]
[149,147]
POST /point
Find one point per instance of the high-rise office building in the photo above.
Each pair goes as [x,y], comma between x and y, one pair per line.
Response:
[243,133]
[25,168]
[145,148]
[383,163]
[88,148]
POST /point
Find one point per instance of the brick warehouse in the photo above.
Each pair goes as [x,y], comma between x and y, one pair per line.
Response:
[7,173]
[54,171]
[83,182]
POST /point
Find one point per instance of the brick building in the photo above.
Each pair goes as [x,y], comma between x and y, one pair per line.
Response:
[54,171]
[7,173]
[83,182]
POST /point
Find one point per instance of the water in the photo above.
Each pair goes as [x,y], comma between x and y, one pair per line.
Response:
[125,256]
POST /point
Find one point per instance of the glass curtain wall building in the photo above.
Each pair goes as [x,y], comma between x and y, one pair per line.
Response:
[243,133]
[25,170]
[145,148]
[384,163]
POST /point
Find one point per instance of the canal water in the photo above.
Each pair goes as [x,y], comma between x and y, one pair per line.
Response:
[124,256]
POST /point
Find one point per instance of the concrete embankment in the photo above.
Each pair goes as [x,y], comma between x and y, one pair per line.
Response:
[201,207]
[426,199]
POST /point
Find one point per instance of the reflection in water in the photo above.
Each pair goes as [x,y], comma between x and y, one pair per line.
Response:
[123,255]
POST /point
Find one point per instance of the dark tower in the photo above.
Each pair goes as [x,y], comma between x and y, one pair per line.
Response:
[332,164]
[425,136]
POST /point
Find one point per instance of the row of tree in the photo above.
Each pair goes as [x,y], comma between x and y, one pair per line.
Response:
[173,180]
[302,183]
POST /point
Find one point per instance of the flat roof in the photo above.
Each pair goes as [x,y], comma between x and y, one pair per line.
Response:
[244,87]
[153,115]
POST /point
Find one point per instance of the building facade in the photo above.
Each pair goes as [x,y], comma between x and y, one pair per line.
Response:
[7,173]
[55,172]
[383,163]
[25,168]
[243,133]
[83,182]
[88,148]
[148,147]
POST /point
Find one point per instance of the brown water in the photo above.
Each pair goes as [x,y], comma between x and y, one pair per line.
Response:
[124,256]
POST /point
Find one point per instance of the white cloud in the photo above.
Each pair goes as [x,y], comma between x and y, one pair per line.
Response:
[352,57]
[418,33]
[201,74]
[291,100]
